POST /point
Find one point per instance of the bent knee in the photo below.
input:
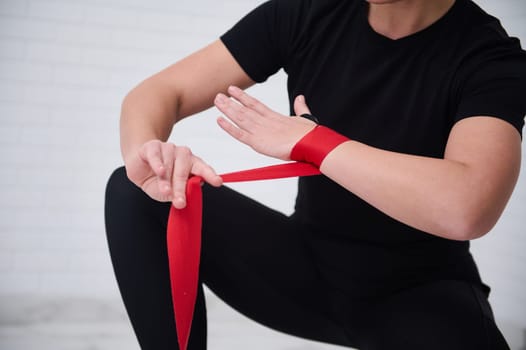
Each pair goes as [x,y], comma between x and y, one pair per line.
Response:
[128,207]
[119,187]
[121,195]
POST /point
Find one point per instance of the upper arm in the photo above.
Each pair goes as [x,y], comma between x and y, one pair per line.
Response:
[490,148]
[194,81]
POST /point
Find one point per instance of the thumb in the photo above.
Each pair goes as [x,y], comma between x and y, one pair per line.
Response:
[300,106]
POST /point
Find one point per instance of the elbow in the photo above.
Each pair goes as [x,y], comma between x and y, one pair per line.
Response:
[128,102]
[153,98]
[469,224]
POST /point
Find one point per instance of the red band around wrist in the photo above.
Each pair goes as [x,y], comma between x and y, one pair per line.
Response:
[316,144]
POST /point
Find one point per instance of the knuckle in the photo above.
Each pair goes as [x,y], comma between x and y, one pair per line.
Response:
[184,151]
[153,153]
[243,112]
[242,137]
[168,148]
[250,104]
[152,145]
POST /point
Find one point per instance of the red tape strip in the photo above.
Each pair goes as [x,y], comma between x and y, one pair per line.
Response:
[184,239]
[316,144]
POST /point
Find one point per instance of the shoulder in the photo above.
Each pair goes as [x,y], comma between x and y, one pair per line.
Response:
[482,47]
[484,33]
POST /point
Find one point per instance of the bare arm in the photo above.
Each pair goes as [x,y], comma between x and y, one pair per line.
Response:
[459,197]
[150,110]
[189,86]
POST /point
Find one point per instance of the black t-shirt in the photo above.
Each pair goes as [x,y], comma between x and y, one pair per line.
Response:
[400,95]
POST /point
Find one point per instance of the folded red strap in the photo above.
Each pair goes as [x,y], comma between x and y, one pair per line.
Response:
[184,239]
[316,144]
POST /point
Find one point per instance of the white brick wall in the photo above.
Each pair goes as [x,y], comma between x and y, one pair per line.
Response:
[65,66]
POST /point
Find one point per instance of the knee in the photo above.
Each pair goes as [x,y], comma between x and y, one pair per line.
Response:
[127,204]
[121,194]
[118,187]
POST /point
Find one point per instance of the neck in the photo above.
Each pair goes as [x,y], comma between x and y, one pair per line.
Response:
[399,18]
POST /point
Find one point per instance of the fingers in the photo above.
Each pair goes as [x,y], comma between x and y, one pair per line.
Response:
[204,170]
[244,113]
[171,166]
[252,123]
[247,100]
[168,154]
[300,105]
[150,153]
[230,108]
[242,116]
[181,172]
[242,109]
[185,165]
[237,133]
[159,157]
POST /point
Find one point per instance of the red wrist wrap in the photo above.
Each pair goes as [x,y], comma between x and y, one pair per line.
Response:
[316,144]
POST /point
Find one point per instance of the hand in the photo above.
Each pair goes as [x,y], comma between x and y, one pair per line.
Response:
[162,169]
[259,127]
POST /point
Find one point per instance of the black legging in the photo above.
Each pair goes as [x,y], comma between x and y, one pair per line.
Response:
[263,264]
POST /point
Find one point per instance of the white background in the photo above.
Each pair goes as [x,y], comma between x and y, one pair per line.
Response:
[65,66]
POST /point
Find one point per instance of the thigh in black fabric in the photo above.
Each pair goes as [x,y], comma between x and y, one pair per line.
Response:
[439,315]
[255,259]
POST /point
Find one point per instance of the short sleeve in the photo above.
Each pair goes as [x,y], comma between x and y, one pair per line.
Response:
[495,85]
[259,41]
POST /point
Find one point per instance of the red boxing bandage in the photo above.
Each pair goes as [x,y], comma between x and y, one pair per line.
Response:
[184,239]
[316,144]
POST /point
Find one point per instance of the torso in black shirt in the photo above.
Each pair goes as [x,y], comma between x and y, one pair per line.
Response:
[400,95]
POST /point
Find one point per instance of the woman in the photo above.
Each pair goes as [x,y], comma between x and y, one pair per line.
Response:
[430,98]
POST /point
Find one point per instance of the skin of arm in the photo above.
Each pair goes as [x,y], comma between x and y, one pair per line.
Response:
[150,110]
[459,197]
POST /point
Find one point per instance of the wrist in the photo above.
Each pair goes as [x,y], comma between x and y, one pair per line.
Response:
[316,145]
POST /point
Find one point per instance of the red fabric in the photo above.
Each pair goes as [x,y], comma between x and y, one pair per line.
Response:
[184,250]
[316,144]
[184,239]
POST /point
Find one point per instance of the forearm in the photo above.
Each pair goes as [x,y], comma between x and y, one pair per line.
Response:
[180,90]
[147,113]
[447,198]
